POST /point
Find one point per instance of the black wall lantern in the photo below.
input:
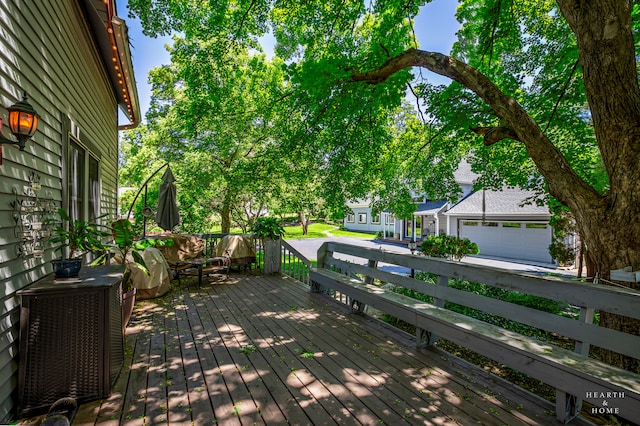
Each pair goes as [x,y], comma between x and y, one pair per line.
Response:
[23,122]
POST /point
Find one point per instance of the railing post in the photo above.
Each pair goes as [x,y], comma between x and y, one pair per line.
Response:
[424,337]
[373,264]
[322,254]
[272,256]
[568,406]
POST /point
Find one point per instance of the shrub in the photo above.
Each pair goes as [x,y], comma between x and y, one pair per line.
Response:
[447,246]
[267,228]
[561,252]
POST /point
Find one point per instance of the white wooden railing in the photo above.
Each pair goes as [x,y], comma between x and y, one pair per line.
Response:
[294,264]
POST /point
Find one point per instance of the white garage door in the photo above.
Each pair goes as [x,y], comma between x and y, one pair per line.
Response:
[511,240]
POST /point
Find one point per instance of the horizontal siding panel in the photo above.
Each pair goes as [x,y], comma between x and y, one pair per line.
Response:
[7,388]
[9,340]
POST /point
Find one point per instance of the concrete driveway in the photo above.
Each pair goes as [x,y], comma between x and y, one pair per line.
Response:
[309,249]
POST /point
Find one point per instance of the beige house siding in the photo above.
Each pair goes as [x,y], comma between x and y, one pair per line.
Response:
[48,50]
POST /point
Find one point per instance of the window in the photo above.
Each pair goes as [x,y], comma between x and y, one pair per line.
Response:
[536,226]
[375,219]
[466,223]
[351,218]
[491,224]
[83,183]
[94,189]
[362,218]
[76,186]
[511,225]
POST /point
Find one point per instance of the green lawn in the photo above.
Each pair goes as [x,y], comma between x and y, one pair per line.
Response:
[316,230]
[322,230]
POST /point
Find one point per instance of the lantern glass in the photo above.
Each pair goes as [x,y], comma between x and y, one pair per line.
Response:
[23,123]
[23,120]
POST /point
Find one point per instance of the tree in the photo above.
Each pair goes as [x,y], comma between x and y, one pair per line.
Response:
[608,220]
[214,119]
[350,60]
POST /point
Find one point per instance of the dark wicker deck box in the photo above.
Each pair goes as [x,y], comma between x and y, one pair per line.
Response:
[71,341]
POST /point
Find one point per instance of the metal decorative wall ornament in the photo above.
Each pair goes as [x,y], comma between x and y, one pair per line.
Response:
[33,217]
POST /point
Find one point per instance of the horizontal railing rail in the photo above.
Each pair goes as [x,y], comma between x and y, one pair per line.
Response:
[211,241]
[617,300]
[583,299]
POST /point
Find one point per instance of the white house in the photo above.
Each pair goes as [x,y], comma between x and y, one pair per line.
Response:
[502,223]
[428,219]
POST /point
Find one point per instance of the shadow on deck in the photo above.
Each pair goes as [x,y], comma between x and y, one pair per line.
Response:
[263,350]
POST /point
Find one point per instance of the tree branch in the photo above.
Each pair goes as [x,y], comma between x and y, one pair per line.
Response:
[563,182]
[417,102]
[562,93]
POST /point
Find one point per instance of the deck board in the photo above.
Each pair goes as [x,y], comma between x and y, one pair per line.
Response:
[314,363]
[334,369]
[317,383]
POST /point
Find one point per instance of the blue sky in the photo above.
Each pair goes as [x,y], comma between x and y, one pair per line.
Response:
[435,27]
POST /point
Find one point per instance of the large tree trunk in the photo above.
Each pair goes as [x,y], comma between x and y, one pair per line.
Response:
[610,222]
[302,220]
[225,214]
[611,246]
[607,56]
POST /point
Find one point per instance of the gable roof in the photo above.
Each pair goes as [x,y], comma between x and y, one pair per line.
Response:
[508,201]
[463,174]
[430,207]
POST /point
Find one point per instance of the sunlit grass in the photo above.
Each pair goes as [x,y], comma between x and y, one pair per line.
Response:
[322,230]
[353,234]
[316,230]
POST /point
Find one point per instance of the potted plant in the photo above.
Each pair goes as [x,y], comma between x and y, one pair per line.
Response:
[269,230]
[81,237]
[127,250]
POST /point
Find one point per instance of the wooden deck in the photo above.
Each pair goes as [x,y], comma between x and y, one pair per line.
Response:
[263,350]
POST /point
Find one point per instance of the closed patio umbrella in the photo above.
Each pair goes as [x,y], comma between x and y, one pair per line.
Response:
[167,216]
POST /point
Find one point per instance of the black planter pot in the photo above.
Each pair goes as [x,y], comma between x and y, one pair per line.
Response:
[66,268]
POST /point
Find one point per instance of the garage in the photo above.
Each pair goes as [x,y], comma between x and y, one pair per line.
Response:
[527,241]
[506,223]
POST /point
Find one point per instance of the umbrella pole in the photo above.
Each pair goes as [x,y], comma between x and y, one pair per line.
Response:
[144,223]
[144,185]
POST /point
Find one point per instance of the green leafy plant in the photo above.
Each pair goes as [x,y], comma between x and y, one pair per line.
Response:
[447,246]
[248,349]
[267,228]
[81,237]
[125,244]
[307,355]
